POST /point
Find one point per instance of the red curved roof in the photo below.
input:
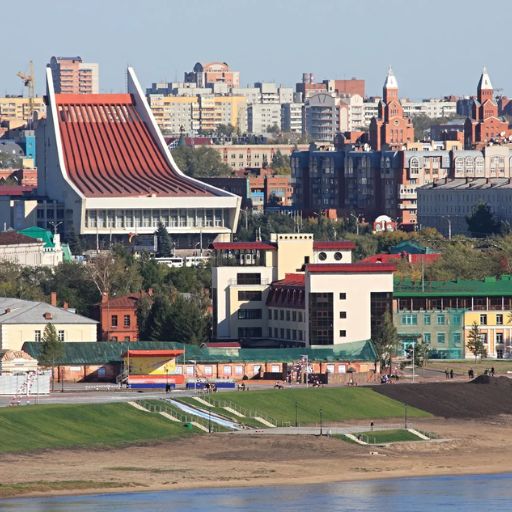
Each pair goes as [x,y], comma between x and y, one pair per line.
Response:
[109,151]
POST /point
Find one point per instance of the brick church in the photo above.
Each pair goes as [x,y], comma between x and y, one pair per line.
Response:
[391,129]
[484,123]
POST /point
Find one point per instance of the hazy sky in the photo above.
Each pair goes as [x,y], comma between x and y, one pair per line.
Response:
[436,47]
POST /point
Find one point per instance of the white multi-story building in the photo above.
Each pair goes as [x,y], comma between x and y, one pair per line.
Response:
[263,116]
[292,117]
[293,289]
[433,108]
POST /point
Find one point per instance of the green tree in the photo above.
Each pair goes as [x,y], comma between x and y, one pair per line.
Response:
[420,353]
[188,322]
[482,221]
[281,163]
[164,241]
[52,350]
[225,130]
[475,342]
[200,162]
[386,341]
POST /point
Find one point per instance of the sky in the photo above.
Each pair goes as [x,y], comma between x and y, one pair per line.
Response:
[436,47]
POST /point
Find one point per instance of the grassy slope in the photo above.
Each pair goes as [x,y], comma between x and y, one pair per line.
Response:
[389,436]
[61,426]
[337,404]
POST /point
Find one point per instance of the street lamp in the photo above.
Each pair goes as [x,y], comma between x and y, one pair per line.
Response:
[357,222]
[306,358]
[321,423]
[195,372]
[209,421]
[296,414]
[405,415]
[449,220]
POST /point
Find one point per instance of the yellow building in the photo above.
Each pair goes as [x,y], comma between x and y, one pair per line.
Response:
[25,320]
[495,328]
[18,107]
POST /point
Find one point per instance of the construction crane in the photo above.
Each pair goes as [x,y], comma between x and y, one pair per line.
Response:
[28,82]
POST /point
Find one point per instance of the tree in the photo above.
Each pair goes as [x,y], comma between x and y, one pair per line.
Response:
[386,341]
[225,130]
[281,163]
[52,350]
[164,242]
[200,162]
[420,352]
[482,221]
[475,342]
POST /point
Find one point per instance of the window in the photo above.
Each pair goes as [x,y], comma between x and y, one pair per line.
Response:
[127,338]
[275,368]
[294,316]
[300,335]
[343,296]
[249,314]
[300,317]
[321,318]
[288,334]
[61,336]
[330,368]
[249,295]
[114,321]
[239,370]
[126,321]
[343,333]
[456,320]
[426,319]
[113,338]
[281,314]
[343,314]
[409,319]
[249,332]
[37,335]
[441,337]
[227,369]
[322,256]
[456,337]
[249,278]
[499,337]
[427,337]
[256,368]
[483,319]
[190,370]
[287,315]
[338,256]
[499,319]
[440,319]
[208,370]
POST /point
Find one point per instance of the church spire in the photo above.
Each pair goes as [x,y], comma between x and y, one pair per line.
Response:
[391,82]
[485,82]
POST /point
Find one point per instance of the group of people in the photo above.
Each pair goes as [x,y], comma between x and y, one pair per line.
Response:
[449,373]
[210,387]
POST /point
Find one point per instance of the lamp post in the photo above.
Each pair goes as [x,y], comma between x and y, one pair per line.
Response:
[209,421]
[321,423]
[449,220]
[194,362]
[357,222]
[296,414]
[306,358]
[405,415]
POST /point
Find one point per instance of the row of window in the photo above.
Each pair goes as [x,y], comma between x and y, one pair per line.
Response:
[114,321]
[441,337]
[38,337]
[285,315]
[412,319]
[288,334]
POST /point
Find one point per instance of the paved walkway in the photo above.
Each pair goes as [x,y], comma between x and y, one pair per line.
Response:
[326,430]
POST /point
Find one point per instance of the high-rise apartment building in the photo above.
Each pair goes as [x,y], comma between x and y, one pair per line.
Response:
[73,76]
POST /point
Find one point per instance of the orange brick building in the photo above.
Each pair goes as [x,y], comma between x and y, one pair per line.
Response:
[391,128]
[118,316]
[484,123]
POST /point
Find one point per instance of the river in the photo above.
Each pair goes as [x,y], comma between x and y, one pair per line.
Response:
[465,493]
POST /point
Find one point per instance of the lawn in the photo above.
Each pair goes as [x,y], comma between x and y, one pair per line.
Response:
[388,436]
[63,426]
[336,404]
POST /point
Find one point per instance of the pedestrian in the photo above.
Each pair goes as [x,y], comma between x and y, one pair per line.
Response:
[371,426]
[492,371]
[451,373]
[447,373]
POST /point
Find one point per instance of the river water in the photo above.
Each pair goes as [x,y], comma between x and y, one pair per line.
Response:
[464,493]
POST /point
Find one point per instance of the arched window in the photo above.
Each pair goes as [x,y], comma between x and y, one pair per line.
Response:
[479,165]
[469,164]
[414,165]
[459,164]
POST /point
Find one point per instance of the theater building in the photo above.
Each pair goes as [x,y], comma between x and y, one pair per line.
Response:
[103,158]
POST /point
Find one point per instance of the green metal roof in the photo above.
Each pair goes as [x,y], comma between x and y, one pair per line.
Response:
[490,287]
[79,353]
[410,247]
[44,234]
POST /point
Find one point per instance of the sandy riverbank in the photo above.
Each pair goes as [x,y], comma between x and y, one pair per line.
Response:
[229,460]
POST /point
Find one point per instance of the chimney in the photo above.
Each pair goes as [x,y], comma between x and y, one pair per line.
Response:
[104,297]
[48,316]
[53,298]
[65,306]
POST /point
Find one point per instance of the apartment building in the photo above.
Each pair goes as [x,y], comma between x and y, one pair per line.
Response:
[209,73]
[262,117]
[292,115]
[73,76]
[293,289]
[18,108]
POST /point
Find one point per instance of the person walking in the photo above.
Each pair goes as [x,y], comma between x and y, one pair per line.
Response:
[447,373]
[451,373]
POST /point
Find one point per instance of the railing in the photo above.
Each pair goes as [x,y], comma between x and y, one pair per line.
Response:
[163,406]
